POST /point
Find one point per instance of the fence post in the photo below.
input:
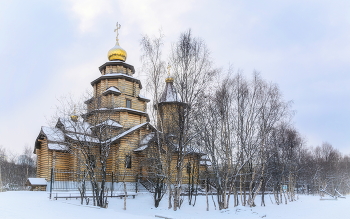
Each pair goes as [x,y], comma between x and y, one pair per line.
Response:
[137,182]
[51,182]
[112,187]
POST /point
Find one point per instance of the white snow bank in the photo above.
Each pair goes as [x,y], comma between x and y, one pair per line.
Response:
[18,205]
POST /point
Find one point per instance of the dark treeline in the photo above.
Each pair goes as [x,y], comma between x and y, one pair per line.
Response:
[16,169]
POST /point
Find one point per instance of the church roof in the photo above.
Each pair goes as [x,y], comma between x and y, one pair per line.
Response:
[57,146]
[117,75]
[117,63]
[141,97]
[83,138]
[112,90]
[71,126]
[129,131]
[121,109]
[169,94]
[57,136]
[109,122]
[144,142]
[52,134]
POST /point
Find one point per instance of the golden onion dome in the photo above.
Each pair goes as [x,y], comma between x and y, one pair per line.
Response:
[74,118]
[169,79]
[117,53]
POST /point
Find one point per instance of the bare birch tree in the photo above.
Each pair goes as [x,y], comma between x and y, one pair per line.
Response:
[154,66]
[89,137]
[193,70]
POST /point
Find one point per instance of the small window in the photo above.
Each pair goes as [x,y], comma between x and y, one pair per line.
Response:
[128,103]
[189,168]
[92,161]
[128,161]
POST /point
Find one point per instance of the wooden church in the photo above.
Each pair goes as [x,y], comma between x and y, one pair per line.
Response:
[115,116]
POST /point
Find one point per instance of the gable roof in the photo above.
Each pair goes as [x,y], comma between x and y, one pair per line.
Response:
[131,130]
[37,181]
[52,134]
[112,90]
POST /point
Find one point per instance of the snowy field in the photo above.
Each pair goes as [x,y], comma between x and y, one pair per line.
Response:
[26,204]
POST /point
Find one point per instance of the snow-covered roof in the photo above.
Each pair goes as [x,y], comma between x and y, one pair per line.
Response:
[52,134]
[205,157]
[127,132]
[112,90]
[144,98]
[169,94]
[82,138]
[144,141]
[77,127]
[141,148]
[37,181]
[57,146]
[147,138]
[121,109]
[109,122]
[118,74]
[124,108]
[203,162]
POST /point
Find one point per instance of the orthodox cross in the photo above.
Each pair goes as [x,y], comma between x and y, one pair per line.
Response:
[74,111]
[116,30]
[168,70]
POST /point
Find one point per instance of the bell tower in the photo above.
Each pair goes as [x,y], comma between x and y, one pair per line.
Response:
[171,108]
[116,93]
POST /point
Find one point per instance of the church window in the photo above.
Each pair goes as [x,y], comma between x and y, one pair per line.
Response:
[92,161]
[128,161]
[189,168]
[128,103]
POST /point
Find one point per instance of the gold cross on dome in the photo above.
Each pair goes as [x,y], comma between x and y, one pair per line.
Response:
[116,30]
[168,70]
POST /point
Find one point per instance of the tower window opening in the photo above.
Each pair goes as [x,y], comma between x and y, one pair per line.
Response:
[128,103]
[128,161]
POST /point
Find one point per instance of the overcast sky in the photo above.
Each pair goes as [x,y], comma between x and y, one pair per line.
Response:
[50,49]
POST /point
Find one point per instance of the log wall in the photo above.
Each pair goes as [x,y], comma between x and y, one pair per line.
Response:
[44,160]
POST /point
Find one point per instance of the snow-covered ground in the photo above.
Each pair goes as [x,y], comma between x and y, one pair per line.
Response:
[26,204]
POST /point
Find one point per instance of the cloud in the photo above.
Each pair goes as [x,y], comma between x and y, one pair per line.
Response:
[152,15]
[54,48]
[87,12]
